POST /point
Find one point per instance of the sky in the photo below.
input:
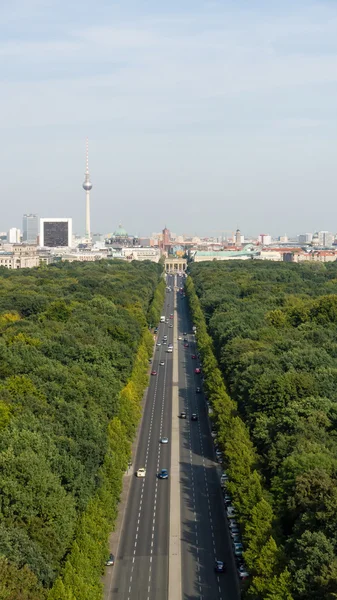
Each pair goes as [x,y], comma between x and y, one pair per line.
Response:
[202,115]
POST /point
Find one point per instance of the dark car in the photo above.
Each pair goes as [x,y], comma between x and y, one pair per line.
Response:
[219,566]
[198,390]
[111,561]
[163,474]
[194,417]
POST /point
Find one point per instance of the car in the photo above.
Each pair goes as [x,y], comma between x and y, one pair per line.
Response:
[165,337]
[218,452]
[169,350]
[231,512]
[164,440]
[180,338]
[198,390]
[163,474]
[224,476]
[227,499]
[153,372]
[238,549]
[234,532]
[141,472]
[110,561]
[232,524]
[236,539]
[158,344]
[185,332]
[194,356]
[186,345]
[183,415]
[219,566]
[164,342]
[170,326]
[162,363]
[194,417]
[171,316]
[197,370]
[242,572]
[156,330]
[213,433]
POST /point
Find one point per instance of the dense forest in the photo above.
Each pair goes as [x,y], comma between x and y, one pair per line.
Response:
[273,330]
[74,350]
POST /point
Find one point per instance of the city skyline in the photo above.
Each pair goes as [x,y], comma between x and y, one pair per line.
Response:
[224,114]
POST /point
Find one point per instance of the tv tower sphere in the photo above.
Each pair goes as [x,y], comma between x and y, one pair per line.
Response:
[87,186]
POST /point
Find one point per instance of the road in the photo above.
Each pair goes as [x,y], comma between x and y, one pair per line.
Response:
[141,569]
[204,531]
[142,557]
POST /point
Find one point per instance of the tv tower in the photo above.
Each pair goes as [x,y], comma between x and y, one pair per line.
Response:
[87,186]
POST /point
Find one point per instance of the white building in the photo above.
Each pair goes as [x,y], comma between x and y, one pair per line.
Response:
[19,256]
[325,239]
[56,233]
[265,239]
[135,253]
[14,236]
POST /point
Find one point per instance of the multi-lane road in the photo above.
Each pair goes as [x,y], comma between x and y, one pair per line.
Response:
[145,549]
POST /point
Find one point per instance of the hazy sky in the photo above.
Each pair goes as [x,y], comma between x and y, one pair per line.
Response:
[201,115]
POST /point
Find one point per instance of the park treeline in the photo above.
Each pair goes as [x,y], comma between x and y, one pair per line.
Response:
[272,329]
[74,350]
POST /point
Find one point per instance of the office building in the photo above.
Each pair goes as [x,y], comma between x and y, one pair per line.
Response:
[305,238]
[30,228]
[56,233]
[265,239]
[325,239]
[14,236]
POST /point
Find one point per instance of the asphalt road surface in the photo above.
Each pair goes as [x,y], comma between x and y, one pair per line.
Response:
[204,531]
[142,557]
[141,569]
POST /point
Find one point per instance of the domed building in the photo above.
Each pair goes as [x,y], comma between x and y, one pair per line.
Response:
[120,238]
[120,233]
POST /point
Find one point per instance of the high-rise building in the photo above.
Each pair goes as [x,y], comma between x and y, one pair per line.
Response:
[87,186]
[30,228]
[305,238]
[14,236]
[56,233]
[265,239]
[325,238]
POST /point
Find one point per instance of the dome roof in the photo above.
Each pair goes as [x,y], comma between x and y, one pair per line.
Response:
[120,232]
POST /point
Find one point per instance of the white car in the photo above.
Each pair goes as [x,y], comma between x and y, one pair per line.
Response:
[162,363]
[141,472]
[158,344]
[164,440]
[180,338]
[231,512]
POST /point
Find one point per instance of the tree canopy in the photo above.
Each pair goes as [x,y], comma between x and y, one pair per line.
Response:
[273,330]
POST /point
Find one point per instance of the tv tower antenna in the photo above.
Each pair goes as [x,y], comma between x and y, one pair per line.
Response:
[87,186]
